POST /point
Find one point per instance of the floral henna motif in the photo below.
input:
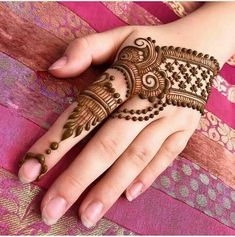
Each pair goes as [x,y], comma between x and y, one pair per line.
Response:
[94,105]
[163,75]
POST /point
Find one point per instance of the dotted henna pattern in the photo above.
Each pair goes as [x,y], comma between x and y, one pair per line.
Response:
[163,75]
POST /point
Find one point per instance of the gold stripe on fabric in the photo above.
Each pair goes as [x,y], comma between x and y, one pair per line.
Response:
[132,13]
[182,9]
[21,205]
[177,8]
[218,131]
[53,17]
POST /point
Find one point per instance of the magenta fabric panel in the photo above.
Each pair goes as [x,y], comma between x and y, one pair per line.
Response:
[228,72]
[96,14]
[152,213]
[151,206]
[221,107]
[160,10]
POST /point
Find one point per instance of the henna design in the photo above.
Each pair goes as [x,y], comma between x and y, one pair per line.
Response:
[94,105]
[163,75]
[169,75]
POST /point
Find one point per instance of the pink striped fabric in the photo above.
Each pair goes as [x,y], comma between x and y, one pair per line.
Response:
[185,199]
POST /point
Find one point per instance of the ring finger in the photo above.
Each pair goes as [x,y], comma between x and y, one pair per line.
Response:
[135,158]
[169,150]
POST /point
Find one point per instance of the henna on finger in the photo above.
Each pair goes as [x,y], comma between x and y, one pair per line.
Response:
[94,105]
[162,75]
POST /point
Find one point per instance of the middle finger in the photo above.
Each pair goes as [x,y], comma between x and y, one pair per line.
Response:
[97,156]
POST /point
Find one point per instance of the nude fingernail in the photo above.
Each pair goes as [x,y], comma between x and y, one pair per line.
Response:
[54,209]
[59,63]
[29,171]
[134,191]
[92,214]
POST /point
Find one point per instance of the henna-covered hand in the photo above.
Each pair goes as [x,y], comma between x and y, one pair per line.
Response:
[149,94]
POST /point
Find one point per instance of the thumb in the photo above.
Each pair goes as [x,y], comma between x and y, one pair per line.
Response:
[92,49]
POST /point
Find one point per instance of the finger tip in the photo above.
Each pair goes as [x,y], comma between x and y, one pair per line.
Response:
[63,73]
[29,171]
[58,73]
[86,222]
[48,222]
[129,198]
[22,179]
[60,63]
[127,195]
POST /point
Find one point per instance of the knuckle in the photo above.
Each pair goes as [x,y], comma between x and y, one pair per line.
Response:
[81,41]
[85,41]
[112,191]
[138,155]
[73,181]
[181,145]
[183,116]
[149,175]
[69,186]
[172,151]
[182,122]
[108,146]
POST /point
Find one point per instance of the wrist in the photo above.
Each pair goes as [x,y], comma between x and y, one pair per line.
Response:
[208,30]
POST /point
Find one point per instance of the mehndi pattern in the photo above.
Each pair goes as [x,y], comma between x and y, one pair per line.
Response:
[165,76]
[162,75]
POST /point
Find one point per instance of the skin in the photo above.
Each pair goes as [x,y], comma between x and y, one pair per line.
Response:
[145,149]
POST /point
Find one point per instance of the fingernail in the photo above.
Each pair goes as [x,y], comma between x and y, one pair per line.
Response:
[92,214]
[29,171]
[134,191]
[54,209]
[59,63]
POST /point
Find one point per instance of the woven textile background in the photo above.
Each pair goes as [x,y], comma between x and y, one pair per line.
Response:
[195,195]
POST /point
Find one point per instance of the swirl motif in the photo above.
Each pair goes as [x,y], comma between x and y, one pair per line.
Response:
[140,66]
[150,81]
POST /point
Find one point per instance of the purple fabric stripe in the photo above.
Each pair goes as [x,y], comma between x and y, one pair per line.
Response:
[92,12]
[188,182]
[164,216]
[20,213]
[160,10]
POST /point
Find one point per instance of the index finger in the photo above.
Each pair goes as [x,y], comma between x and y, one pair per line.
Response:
[93,106]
